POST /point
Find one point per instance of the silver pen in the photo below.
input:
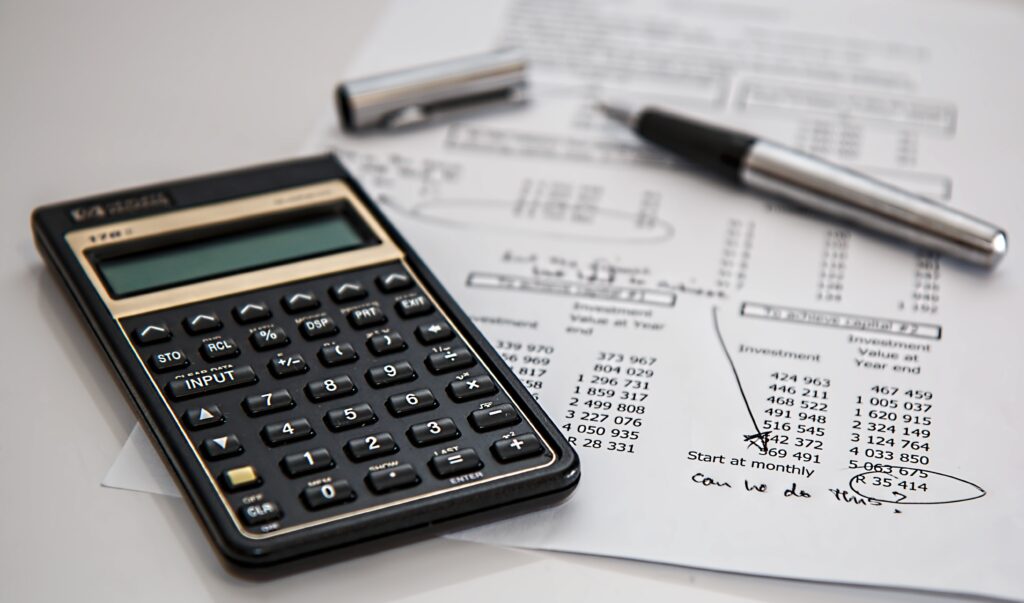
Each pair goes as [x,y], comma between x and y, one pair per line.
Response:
[818,185]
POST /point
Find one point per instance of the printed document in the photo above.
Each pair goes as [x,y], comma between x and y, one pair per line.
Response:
[751,388]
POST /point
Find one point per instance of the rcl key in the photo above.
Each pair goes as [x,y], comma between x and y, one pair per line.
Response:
[219,349]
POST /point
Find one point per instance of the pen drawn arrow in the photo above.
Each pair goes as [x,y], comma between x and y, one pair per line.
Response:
[758,438]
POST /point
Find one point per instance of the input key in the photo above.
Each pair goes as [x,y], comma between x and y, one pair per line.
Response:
[200,384]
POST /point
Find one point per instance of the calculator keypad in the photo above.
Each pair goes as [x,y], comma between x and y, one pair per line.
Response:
[352,392]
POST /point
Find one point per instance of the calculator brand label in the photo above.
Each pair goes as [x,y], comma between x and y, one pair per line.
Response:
[119,208]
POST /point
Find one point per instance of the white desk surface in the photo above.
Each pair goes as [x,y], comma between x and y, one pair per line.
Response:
[101,96]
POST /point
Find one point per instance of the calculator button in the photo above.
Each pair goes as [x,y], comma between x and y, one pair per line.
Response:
[471,388]
[350,417]
[269,338]
[411,307]
[434,332]
[390,374]
[222,447]
[258,513]
[215,381]
[394,478]
[219,349]
[507,450]
[154,333]
[329,389]
[456,463]
[168,361]
[311,461]
[432,432]
[315,328]
[411,402]
[287,366]
[338,353]
[207,416]
[396,281]
[261,404]
[300,302]
[327,495]
[386,343]
[369,316]
[202,323]
[251,312]
[371,446]
[240,478]
[450,360]
[494,417]
[277,434]
[346,292]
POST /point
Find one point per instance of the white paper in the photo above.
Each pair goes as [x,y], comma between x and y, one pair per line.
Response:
[624,288]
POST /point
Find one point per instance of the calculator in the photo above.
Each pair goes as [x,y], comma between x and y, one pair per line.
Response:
[308,380]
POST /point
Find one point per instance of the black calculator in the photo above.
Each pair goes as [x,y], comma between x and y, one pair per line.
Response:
[306,377]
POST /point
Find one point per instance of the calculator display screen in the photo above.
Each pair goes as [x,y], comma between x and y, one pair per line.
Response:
[219,255]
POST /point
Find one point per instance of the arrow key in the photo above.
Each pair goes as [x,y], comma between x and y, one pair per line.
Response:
[346,292]
[202,323]
[251,312]
[396,281]
[222,447]
[151,333]
[434,332]
[200,418]
[300,302]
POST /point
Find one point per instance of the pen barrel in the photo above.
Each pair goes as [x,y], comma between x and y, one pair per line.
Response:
[853,197]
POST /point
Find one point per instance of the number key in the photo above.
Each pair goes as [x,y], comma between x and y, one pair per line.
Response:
[371,446]
[390,374]
[327,495]
[304,463]
[261,404]
[277,434]
[432,432]
[350,417]
[329,389]
[410,402]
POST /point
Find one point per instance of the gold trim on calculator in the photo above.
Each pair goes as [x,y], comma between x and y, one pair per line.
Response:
[328,192]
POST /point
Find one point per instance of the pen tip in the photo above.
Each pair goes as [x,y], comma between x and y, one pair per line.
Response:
[619,112]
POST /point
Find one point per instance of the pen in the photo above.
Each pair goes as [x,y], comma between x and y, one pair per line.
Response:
[816,184]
